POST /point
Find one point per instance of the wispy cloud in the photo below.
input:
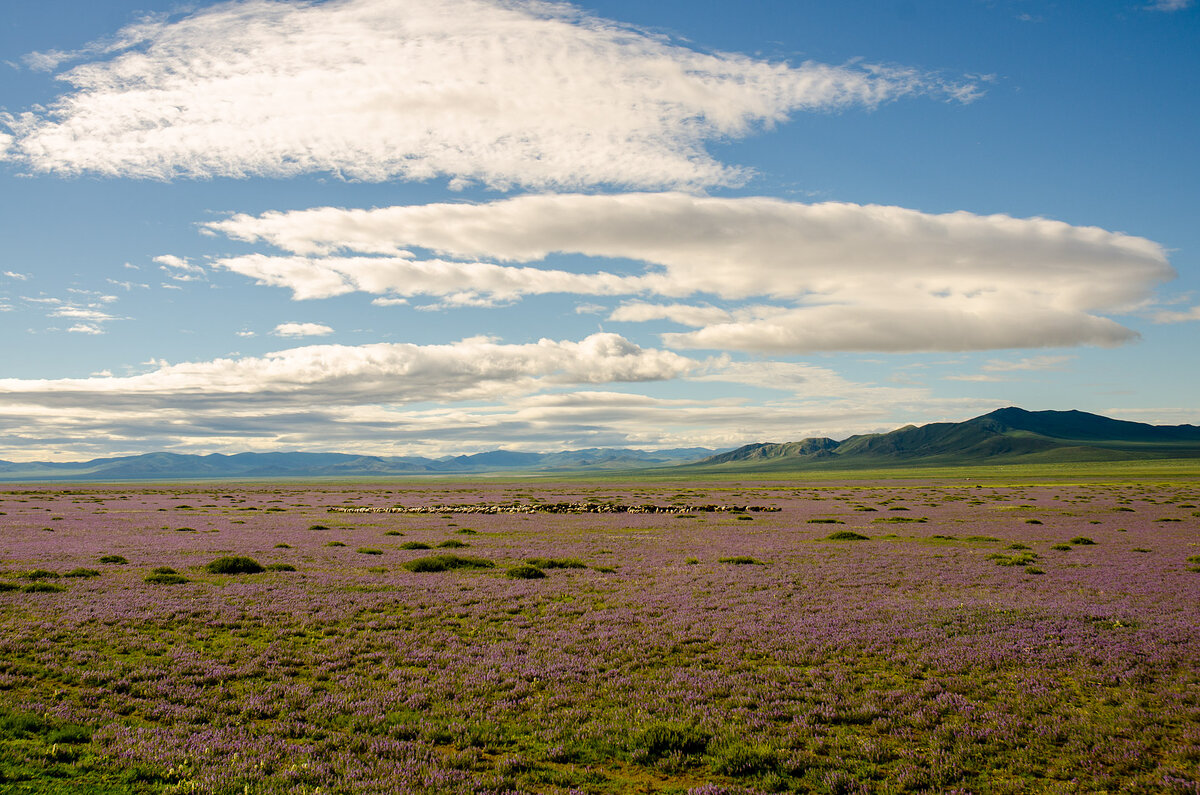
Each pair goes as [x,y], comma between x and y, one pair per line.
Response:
[1177,315]
[18,276]
[840,276]
[1028,363]
[1170,5]
[519,92]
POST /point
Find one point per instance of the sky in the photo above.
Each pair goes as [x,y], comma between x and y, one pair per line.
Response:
[431,227]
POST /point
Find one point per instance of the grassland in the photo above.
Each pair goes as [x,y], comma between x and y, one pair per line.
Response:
[983,630]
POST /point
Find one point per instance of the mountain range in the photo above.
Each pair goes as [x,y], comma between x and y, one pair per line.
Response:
[177,466]
[1006,436]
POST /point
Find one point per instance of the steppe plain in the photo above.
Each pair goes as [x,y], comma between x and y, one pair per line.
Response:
[986,636]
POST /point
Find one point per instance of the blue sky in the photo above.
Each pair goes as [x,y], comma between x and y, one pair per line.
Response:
[401,227]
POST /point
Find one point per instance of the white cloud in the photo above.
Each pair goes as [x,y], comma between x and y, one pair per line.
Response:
[519,92]
[19,276]
[855,277]
[302,330]
[86,328]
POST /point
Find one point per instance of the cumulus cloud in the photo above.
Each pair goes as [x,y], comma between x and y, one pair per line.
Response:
[841,276]
[512,92]
[302,330]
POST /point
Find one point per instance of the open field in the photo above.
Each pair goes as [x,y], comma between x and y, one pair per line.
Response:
[987,636]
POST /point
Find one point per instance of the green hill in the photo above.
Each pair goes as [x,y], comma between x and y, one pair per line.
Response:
[1008,435]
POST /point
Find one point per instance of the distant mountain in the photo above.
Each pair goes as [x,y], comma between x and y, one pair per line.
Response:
[1009,435]
[175,466]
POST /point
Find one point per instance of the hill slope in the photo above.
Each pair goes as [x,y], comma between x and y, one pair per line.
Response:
[1008,435]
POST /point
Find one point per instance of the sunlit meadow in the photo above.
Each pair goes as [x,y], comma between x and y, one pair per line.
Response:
[937,636]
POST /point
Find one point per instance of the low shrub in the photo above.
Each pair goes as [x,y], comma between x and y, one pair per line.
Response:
[741,560]
[118,559]
[283,546]
[81,572]
[166,578]
[40,574]
[446,563]
[415,545]
[452,544]
[280,567]
[1061,547]
[825,521]
[334,544]
[1020,559]
[369,551]
[1033,521]
[847,535]
[233,564]
[393,533]
[42,587]
[318,527]
[525,572]
[1082,541]
[185,529]
[8,586]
